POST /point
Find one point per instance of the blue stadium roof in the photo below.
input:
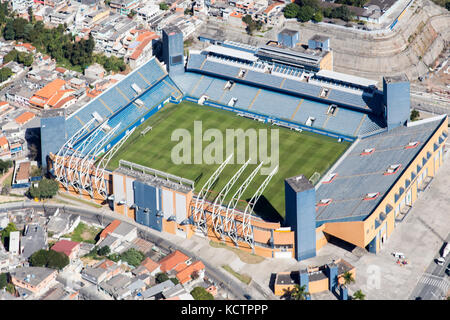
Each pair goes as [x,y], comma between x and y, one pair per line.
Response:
[359,175]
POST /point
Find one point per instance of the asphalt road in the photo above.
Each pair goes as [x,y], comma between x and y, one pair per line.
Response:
[234,289]
[434,283]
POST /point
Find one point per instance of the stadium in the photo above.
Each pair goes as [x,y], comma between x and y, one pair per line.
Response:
[351,163]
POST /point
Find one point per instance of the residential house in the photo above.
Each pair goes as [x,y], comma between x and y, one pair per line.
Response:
[157,289]
[25,47]
[103,270]
[148,266]
[187,274]
[95,71]
[24,118]
[142,49]
[14,242]
[34,279]
[116,287]
[174,260]
[50,94]
[69,248]
[4,261]
[60,225]
[5,153]
[22,173]
[124,7]
[34,239]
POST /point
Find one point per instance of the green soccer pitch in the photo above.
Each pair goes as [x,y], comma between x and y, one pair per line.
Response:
[299,153]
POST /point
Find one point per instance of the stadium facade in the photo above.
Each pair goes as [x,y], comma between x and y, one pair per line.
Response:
[359,200]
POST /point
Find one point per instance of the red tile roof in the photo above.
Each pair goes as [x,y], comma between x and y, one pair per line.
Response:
[65,246]
[110,228]
[185,275]
[149,264]
[3,141]
[50,89]
[172,260]
[63,102]
[25,117]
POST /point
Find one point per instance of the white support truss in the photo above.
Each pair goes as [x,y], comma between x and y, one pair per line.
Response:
[229,224]
[99,182]
[247,230]
[87,163]
[218,202]
[60,162]
[198,213]
[77,157]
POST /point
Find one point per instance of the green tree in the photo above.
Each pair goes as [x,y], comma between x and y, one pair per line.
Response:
[161,277]
[57,260]
[200,293]
[39,258]
[114,257]
[342,12]
[297,293]
[133,257]
[104,251]
[310,3]
[3,280]
[291,10]
[359,295]
[305,13]
[163,6]
[11,288]
[318,16]
[415,114]
[5,165]
[47,188]
[5,233]
[348,278]
[5,73]
[49,259]
[31,15]
[8,31]
[174,280]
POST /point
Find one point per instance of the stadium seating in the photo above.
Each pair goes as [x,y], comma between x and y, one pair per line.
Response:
[344,121]
[195,61]
[220,68]
[275,104]
[301,88]
[347,98]
[264,79]
[312,109]
[115,104]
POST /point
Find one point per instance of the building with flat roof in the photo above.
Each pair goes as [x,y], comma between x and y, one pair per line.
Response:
[34,279]
[14,242]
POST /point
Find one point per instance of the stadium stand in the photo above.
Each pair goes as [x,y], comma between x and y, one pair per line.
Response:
[360,175]
[116,104]
[275,104]
[280,79]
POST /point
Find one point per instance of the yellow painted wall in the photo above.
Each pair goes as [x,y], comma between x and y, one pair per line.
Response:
[327,62]
[318,286]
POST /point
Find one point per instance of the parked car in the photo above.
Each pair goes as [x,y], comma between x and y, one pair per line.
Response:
[398,255]
[440,261]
